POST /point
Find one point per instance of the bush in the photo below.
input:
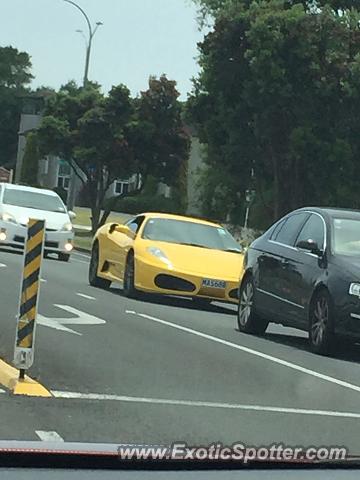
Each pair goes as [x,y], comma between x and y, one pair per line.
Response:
[145,203]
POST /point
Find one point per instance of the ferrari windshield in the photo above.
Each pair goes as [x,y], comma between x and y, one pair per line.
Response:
[190,233]
[346,236]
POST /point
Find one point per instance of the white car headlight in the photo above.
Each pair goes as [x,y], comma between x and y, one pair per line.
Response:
[354,289]
[7,217]
[68,227]
[160,255]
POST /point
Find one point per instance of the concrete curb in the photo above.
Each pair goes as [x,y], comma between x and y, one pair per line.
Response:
[9,378]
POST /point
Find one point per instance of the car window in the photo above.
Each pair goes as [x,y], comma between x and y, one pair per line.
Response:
[314,230]
[277,229]
[135,223]
[291,228]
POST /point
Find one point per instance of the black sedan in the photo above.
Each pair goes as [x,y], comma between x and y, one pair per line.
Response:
[304,272]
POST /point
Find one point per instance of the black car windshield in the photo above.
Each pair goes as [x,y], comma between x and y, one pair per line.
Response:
[346,236]
[190,233]
[29,199]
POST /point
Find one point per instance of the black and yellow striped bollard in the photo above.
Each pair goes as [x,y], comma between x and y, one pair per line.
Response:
[29,296]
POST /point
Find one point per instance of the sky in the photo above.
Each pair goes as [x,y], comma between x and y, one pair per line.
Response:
[139,38]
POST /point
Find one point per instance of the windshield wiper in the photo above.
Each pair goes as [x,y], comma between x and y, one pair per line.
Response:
[234,250]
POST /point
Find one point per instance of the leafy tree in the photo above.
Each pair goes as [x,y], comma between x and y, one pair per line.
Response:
[279,93]
[30,165]
[14,77]
[109,137]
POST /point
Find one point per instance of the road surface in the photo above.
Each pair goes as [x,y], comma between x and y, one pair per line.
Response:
[160,370]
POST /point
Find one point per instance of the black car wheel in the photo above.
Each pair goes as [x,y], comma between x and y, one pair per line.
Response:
[64,257]
[129,278]
[248,320]
[321,337]
[94,280]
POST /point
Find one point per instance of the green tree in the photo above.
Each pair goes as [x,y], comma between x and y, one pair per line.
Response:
[109,137]
[30,165]
[14,77]
[279,93]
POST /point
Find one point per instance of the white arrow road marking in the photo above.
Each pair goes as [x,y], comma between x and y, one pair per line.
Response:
[48,436]
[85,296]
[82,318]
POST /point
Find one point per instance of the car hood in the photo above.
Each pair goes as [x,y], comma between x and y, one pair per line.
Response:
[54,220]
[206,262]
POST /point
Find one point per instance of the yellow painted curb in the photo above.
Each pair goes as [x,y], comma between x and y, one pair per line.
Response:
[9,378]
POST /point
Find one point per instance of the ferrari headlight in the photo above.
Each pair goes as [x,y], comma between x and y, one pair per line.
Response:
[354,289]
[7,217]
[160,255]
[67,227]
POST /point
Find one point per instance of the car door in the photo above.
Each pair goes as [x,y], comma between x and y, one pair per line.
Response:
[272,265]
[303,270]
[119,244]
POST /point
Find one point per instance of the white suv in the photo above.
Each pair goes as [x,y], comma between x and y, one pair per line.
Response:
[19,203]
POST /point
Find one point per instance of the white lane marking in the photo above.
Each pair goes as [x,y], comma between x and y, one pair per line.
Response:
[355,315]
[81,318]
[42,280]
[2,265]
[2,390]
[48,436]
[130,311]
[194,403]
[88,297]
[257,353]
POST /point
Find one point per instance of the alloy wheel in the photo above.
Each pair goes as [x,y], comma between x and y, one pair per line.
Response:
[246,303]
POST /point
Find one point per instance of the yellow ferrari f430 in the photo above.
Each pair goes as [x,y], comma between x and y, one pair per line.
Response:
[168,254]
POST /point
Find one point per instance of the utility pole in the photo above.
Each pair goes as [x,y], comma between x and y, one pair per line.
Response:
[88,40]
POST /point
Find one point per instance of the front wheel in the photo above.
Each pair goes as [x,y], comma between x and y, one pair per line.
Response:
[94,280]
[64,257]
[129,278]
[248,320]
[321,336]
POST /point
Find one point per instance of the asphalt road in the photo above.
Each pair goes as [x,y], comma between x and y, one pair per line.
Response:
[159,370]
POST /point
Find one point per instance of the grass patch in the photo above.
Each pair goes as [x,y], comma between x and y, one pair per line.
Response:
[83,217]
[82,240]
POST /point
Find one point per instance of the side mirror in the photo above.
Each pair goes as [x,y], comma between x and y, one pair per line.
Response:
[72,215]
[309,245]
[120,228]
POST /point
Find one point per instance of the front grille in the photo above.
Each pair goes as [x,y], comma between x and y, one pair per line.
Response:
[19,239]
[52,244]
[234,293]
[169,282]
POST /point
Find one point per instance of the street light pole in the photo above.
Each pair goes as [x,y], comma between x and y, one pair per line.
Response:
[92,31]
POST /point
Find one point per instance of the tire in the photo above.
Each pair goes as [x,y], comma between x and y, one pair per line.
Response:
[129,278]
[321,336]
[94,280]
[248,320]
[63,257]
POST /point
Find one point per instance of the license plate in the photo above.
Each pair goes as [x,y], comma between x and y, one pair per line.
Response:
[208,282]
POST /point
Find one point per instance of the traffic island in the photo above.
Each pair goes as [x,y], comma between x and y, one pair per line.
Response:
[9,378]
